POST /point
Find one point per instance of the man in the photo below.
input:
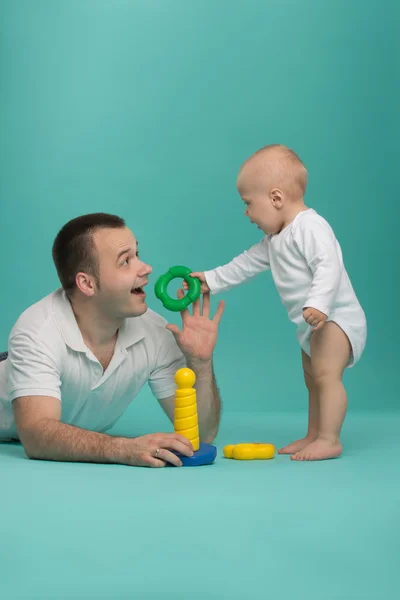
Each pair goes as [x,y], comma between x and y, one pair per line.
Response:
[78,357]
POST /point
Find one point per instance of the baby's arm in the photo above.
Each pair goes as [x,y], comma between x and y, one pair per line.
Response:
[239,270]
[317,244]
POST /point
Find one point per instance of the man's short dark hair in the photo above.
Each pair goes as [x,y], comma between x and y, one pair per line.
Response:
[74,250]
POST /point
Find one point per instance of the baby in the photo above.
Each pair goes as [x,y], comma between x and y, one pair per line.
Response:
[305,258]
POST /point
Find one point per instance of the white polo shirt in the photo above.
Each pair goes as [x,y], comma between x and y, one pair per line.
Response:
[48,357]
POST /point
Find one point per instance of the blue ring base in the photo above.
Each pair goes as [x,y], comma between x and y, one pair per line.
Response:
[205,455]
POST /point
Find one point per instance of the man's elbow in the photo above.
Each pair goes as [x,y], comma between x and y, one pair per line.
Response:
[31,452]
[208,439]
[209,436]
[30,443]
[32,438]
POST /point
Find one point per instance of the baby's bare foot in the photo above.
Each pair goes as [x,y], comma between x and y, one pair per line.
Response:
[297,445]
[319,450]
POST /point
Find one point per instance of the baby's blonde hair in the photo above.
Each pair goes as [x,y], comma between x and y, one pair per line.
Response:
[282,166]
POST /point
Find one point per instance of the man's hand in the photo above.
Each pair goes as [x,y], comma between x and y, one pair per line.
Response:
[315,318]
[154,450]
[199,333]
[199,275]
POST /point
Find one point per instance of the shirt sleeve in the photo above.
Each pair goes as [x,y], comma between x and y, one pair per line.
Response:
[316,242]
[169,360]
[241,269]
[31,371]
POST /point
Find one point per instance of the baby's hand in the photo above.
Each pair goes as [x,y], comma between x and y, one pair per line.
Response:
[314,317]
[204,286]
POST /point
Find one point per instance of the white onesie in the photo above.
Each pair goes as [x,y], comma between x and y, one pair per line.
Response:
[306,263]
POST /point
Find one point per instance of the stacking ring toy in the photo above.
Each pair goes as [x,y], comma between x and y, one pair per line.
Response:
[175,273]
[249,451]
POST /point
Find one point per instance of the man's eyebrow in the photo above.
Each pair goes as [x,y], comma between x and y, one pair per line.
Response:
[122,252]
[126,251]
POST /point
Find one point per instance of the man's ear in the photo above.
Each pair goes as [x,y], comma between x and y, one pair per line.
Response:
[86,284]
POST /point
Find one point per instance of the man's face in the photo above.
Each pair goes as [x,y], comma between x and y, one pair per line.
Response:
[122,274]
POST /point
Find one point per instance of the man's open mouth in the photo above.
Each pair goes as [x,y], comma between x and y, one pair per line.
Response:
[137,290]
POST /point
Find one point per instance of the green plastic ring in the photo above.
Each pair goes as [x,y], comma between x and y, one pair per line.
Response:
[175,273]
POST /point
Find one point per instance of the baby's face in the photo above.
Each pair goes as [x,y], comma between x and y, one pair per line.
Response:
[255,188]
[261,211]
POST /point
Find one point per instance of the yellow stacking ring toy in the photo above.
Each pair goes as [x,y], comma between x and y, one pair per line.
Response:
[249,451]
[161,286]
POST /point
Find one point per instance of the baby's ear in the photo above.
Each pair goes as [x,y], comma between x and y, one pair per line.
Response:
[277,197]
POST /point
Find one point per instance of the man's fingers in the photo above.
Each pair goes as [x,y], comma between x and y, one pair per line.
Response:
[165,456]
[174,329]
[172,459]
[180,438]
[168,447]
[166,438]
[155,463]
[159,449]
[180,448]
[184,312]
[220,310]
[196,308]
[206,305]
[179,443]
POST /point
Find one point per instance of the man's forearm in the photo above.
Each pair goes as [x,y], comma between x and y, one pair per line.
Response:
[50,439]
[208,399]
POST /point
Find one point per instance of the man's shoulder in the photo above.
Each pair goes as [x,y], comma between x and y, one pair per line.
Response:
[153,320]
[36,320]
[149,325]
[151,329]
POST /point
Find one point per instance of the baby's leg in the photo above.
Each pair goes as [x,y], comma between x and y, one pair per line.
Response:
[330,354]
[313,410]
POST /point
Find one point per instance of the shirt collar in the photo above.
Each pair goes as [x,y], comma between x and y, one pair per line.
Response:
[131,331]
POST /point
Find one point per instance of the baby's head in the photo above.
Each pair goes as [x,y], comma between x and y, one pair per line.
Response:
[272,183]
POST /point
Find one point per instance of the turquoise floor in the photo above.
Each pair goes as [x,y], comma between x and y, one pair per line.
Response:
[274,529]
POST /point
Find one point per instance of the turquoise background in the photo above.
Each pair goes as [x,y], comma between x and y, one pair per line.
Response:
[147,109]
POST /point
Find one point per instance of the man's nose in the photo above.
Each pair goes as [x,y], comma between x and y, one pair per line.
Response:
[146,269]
